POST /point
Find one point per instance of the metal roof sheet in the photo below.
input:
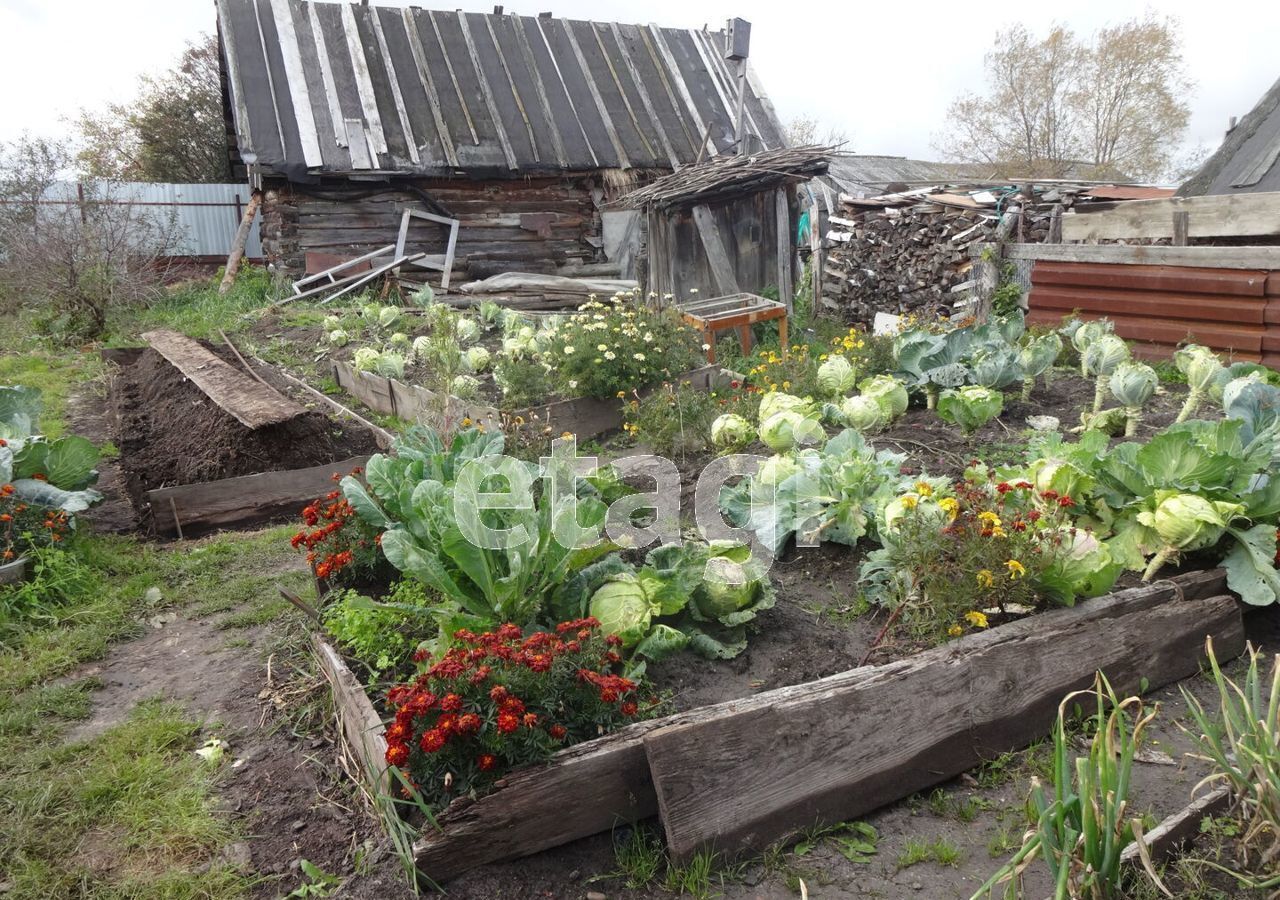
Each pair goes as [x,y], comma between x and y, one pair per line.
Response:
[319,88]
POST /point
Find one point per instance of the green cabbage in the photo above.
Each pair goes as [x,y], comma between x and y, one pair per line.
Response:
[863,413]
[1203,371]
[1037,357]
[465,386]
[1133,384]
[339,338]
[789,428]
[728,586]
[467,330]
[730,431]
[622,607]
[888,391]
[970,407]
[400,341]
[775,402]
[1101,358]
[388,315]
[776,469]
[332,322]
[365,359]
[476,359]
[836,376]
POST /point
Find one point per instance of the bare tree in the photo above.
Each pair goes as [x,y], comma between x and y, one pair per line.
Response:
[75,252]
[1060,107]
[807,131]
[173,131]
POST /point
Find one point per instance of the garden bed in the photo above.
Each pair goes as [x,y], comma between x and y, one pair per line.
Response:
[189,466]
[743,773]
[584,416]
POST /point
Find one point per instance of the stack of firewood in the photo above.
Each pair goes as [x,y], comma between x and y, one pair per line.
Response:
[906,259]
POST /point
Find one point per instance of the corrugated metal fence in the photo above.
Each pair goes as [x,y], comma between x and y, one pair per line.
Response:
[1158,306]
[206,214]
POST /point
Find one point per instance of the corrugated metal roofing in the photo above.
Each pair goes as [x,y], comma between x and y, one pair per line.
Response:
[1249,159]
[860,176]
[207,214]
[344,88]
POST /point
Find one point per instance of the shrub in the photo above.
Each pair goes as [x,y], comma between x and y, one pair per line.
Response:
[674,420]
[383,635]
[336,540]
[501,700]
[618,346]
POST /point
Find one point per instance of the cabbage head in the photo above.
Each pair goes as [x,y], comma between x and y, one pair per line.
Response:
[731,430]
[365,359]
[465,386]
[863,413]
[400,341]
[775,402]
[728,586]
[1133,384]
[970,407]
[1203,371]
[388,315]
[332,322]
[339,338]
[1039,354]
[476,359]
[1080,566]
[1104,355]
[622,607]
[1189,521]
[888,391]
[776,469]
[467,330]
[836,376]
[789,428]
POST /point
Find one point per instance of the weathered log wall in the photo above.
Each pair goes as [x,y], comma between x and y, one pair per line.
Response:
[515,225]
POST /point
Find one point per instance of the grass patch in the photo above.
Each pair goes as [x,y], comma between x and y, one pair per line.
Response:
[197,309]
[129,813]
[55,373]
[941,851]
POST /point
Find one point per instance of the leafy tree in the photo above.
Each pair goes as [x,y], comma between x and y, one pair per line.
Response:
[807,130]
[172,131]
[1059,106]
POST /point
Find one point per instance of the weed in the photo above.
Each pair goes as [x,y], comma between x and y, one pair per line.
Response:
[1003,841]
[693,878]
[941,851]
[319,883]
[640,856]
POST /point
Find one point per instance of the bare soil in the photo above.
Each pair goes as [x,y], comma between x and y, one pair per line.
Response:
[171,433]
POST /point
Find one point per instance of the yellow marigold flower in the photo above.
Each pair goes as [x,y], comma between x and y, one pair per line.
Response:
[955,631]
[909,501]
[976,619]
[466,423]
[786,385]
[924,489]
[1016,569]
[565,435]
[621,394]
[997,531]
[989,518]
[985,578]
[951,505]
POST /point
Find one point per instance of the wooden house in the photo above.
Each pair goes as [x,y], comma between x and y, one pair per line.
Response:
[523,129]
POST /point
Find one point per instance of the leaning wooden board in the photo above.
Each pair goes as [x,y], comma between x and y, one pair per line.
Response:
[740,778]
[1152,631]
[358,723]
[251,402]
[244,499]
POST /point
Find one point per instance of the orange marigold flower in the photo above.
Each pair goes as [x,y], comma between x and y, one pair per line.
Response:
[486,762]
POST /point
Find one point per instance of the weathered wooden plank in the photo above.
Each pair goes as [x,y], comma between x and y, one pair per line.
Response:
[242,500]
[722,269]
[1204,257]
[741,778]
[252,404]
[359,726]
[590,788]
[1227,215]
[1181,828]
[364,85]
[784,253]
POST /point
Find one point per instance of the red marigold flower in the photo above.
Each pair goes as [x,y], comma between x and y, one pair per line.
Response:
[1050,495]
[1024,485]
[530,720]
[498,693]
[398,733]
[513,705]
[1066,502]
[584,634]
[629,708]
[486,762]
[609,695]
[397,754]
[433,741]
[1004,487]
[40,476]
[451,703]
[508,723]
[447,723]
[613,640]
[1034,515]
[469,723]
[557,732]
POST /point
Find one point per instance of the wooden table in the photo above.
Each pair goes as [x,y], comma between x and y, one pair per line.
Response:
[739,311]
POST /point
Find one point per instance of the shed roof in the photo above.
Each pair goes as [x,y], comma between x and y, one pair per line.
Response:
[1249,159]
[730,174]
[341,88]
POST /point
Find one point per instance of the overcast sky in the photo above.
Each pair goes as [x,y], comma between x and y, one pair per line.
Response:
[883,73]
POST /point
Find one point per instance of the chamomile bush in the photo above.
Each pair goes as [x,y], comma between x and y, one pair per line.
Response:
[619,345]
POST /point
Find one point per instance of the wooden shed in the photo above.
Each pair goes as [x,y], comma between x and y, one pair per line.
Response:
[521,128]
[727,225]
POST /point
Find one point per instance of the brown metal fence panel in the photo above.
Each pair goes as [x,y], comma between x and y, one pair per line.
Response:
[1233,311]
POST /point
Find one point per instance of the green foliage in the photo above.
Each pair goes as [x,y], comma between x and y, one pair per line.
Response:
[198,309]
[939,850]
[1080,824]
[673,421]
[622,346]
[55,579]
[970,407]
[381,635]
[525,380]
[1241,742]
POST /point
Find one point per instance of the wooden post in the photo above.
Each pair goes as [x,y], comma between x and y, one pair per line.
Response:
[1181,227]
[237,245]
[1055,225]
